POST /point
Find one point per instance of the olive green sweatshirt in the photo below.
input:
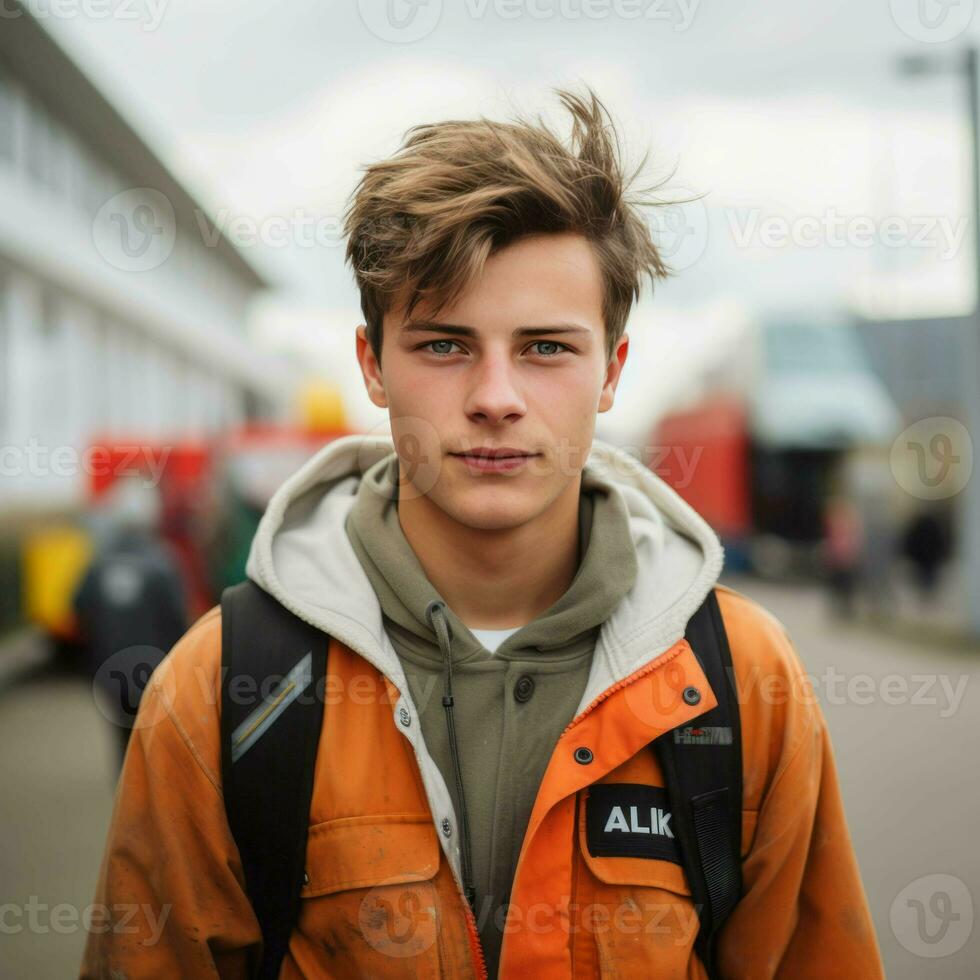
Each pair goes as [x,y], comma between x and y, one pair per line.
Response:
[511,704]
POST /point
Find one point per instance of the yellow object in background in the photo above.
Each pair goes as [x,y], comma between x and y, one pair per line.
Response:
[54,559]
[321,407]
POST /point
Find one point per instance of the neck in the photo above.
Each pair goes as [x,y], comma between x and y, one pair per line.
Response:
[496,579]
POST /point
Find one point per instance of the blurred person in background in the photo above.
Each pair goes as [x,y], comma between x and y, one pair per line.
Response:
[130,603]
[927,545]
[874,492]
[865,480]
[843,547]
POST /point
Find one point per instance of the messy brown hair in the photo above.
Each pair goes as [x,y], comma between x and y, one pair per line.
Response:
[426,220]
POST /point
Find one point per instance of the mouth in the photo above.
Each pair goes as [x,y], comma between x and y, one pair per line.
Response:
[494,461]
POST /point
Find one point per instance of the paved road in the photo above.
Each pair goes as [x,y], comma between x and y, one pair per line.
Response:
[905,719]
[904,713]
[57,773]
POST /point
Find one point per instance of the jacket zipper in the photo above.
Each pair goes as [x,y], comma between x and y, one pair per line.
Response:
[574,896]
[636,675]
[481,960]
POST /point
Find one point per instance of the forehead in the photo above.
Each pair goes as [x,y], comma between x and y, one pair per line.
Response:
[538,280]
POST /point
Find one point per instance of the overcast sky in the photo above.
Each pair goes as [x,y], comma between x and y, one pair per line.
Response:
[828,179]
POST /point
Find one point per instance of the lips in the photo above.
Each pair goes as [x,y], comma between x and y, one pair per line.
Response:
[484,453]
[499,460]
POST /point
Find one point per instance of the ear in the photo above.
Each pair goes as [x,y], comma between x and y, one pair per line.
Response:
[370,369]
[613,372]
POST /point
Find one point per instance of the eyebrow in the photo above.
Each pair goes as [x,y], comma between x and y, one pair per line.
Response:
[431,326]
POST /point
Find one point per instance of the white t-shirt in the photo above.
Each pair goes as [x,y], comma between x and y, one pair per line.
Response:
[492,639]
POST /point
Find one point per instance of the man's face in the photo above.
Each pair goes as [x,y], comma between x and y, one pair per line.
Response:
[450,391]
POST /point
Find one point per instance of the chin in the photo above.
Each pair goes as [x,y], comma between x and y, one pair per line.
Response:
[491,509]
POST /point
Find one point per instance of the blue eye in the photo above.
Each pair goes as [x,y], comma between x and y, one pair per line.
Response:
[553,343]
[452,343]
[437,353]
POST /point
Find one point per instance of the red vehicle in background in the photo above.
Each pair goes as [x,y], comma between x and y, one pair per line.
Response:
[248,465]
[181,473]
[703,453]
[758,453]
[212,493]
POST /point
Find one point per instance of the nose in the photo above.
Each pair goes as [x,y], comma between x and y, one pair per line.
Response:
[494,393]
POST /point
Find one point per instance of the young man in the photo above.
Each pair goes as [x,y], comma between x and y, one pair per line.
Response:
[506,601]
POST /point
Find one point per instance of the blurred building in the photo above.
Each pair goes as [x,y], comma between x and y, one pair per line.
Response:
[919,362]
[757,446]
[122,307]
[927,366]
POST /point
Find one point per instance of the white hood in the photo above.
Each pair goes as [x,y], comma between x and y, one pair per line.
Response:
[302,556]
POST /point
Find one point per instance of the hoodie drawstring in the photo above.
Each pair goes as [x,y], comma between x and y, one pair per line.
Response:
[435,614]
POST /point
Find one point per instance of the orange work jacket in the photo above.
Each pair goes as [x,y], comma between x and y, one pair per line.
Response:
[381,899]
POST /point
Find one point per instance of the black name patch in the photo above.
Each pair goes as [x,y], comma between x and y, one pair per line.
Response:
[630,820]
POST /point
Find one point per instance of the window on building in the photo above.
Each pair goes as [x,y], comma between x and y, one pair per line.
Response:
[6,119]
[99,377]
[177,408]
[36,139]
[5,366]
[49,390]
[74,170]
[96,184]
[58,171]
[115,379]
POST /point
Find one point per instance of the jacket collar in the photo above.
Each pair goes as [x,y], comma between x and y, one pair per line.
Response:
[301,555]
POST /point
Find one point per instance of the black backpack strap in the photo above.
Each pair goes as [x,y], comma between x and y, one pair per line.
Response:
[702,766]
[272,678]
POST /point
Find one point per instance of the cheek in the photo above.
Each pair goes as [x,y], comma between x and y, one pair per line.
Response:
[569,402]
[419,393]
[416,439]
